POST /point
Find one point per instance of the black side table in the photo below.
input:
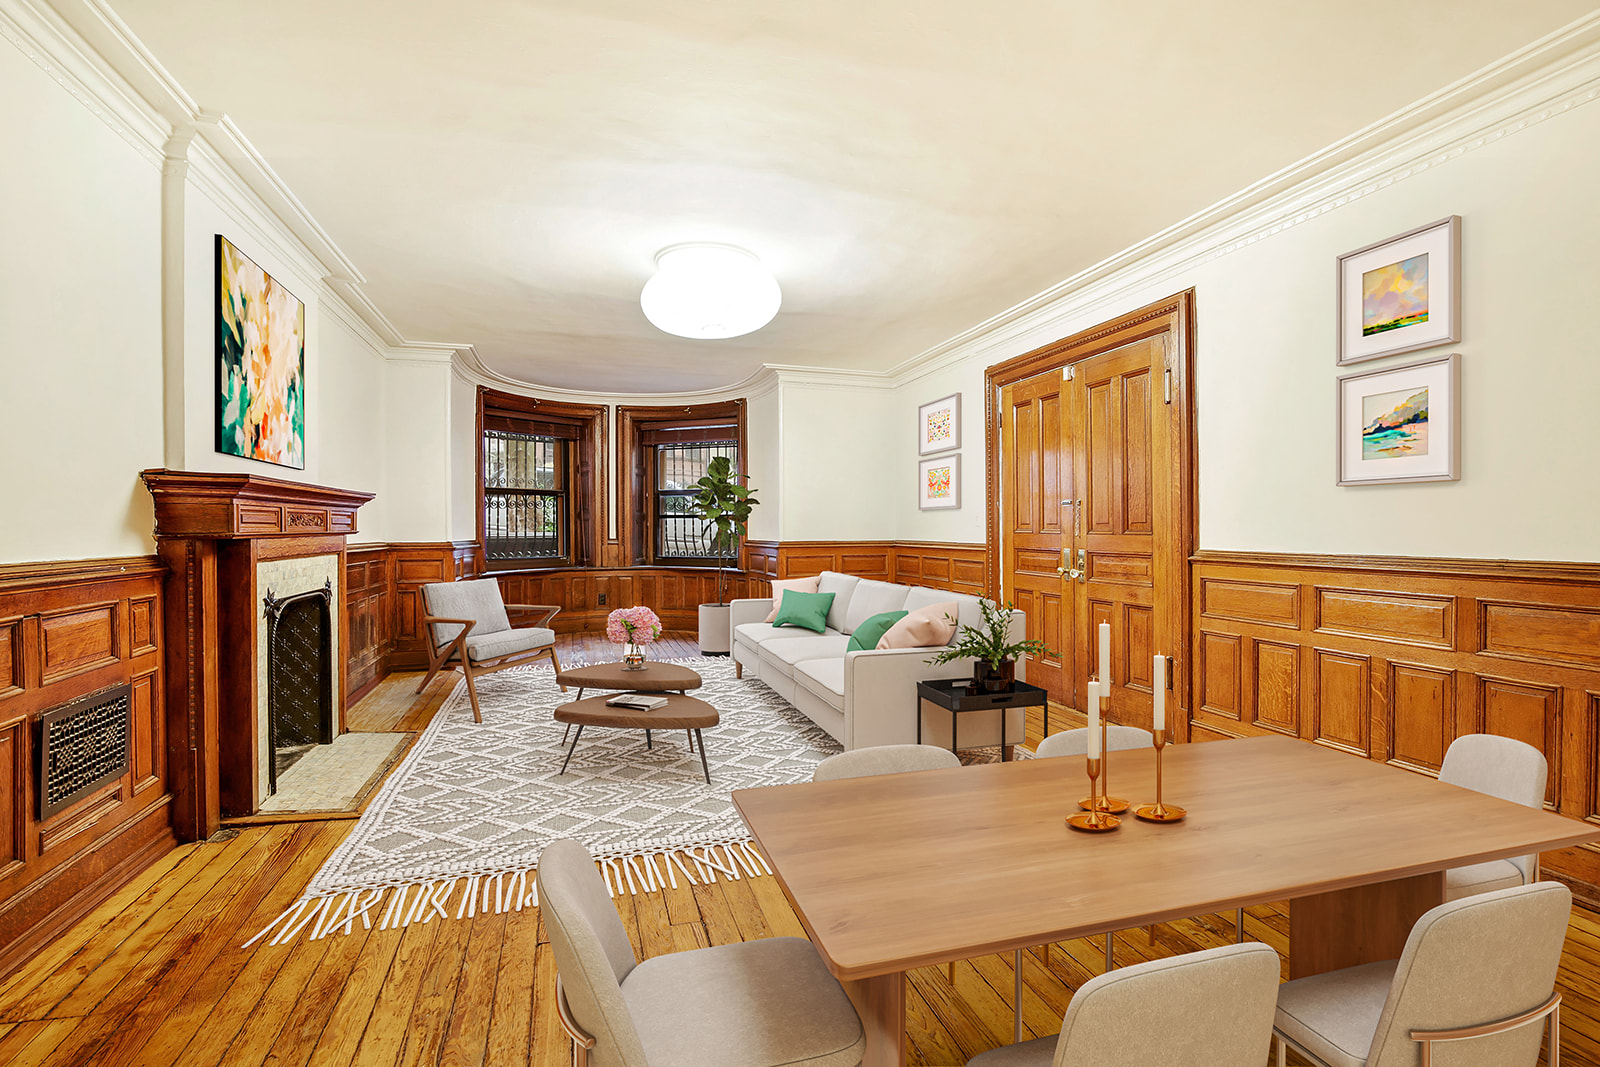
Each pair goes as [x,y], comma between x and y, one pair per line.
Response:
[951,694]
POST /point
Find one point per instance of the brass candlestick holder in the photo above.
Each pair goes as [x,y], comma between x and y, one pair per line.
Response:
[1160,812]
[1107,804]
[1093,820]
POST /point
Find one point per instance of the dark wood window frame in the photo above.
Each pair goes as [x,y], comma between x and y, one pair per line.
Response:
[583,428]
[639,430]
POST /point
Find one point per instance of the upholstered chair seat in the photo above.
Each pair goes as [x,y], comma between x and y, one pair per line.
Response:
[488,646]
[1213,1008]
[1481,960]
[759,1003]
[884,759]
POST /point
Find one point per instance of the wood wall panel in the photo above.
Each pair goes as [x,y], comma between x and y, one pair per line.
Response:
[1395,658]
[1219,675]
[72,629]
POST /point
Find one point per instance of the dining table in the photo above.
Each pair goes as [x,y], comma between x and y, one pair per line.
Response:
[895,872]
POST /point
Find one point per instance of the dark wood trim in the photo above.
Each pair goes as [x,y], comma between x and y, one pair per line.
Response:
[1520,570]
[205,504]
[636,479]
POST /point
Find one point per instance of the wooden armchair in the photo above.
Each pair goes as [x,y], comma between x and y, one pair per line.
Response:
[468,626]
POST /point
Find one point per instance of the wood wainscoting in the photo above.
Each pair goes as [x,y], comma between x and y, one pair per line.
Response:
[68,630]
[938,564]
[1391,659]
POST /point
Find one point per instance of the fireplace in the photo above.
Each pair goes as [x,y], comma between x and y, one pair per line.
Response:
[300,673]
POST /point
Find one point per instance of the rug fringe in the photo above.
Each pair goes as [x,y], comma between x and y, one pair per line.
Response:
[504,891]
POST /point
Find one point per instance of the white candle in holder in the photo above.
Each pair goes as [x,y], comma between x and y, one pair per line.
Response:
[1159,707]
[1094,720]
[1105,656]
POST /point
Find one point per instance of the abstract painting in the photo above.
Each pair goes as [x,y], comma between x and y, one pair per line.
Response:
[261,363]
[939,482]
[1401,294]
[939,425]
[1401,424]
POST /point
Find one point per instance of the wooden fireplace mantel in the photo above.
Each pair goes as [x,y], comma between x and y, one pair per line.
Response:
[200,504]
[212,530]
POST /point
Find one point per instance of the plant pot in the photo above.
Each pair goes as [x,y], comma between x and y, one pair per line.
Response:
[716,637]
[995,681]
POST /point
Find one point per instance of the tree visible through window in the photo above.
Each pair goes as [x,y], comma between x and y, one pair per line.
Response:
[679,532]
[524,496]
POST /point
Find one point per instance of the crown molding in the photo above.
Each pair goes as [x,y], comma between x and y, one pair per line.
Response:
[831,377]
[1547,78]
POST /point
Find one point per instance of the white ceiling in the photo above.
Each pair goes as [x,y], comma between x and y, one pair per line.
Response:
[503,172]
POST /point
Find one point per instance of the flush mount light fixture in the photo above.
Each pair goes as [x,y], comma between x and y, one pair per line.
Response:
[709,291]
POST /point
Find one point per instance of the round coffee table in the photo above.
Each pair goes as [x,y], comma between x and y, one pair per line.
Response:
[651,678]
[680,713]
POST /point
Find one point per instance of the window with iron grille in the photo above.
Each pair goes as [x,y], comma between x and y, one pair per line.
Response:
[524,496]
[680,533]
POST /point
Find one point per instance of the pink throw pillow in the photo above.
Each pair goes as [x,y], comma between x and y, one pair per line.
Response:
[927,627]
[799,585]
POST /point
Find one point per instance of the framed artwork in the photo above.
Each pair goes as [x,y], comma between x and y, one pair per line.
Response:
[939,425]
[1401,294]
[261,363]
[939,482]
[1402,424]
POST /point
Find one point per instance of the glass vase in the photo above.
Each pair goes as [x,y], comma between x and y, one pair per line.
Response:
[632,657]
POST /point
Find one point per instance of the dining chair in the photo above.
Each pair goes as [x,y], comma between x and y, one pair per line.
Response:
[884,759]
[1476,972]
[1501,767]
[1213,1008]
[759,1003]
[1118,739]
[468,626]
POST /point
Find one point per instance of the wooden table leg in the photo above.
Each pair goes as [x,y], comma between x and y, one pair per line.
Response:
[881,1003]
[1330,931]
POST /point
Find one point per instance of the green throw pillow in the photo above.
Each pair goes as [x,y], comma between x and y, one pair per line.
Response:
[869,633]
[809,611]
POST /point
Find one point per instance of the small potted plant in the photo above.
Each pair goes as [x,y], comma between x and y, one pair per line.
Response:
[633,627]
[724,508]
[991,648]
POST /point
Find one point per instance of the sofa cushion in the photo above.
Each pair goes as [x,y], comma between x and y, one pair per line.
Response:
[488,646]
[866,636]
[968,611]
[784,653]
[824,677]
[808,611]
[841,586]
[873,598]
[799,585]
[926,627]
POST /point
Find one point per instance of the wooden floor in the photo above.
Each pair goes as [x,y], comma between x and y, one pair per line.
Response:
[157,975]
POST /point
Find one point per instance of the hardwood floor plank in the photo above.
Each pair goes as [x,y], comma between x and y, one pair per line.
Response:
[312,1012]
[357,998]
[467,1034]
[261,1027]
[387,1027]
[435,997]
[511,1015]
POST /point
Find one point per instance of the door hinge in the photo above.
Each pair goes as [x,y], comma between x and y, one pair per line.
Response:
[1068,373]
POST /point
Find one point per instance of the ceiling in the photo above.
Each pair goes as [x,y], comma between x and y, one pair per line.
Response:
[504,172]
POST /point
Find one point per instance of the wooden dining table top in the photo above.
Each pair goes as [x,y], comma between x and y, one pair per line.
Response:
[900,871]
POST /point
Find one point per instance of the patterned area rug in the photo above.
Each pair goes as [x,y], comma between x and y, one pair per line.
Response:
[476,803]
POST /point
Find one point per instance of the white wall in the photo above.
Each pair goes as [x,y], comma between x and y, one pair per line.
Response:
[80,327]
[464,459]
[1265,370]
[763,432]
[836,460]
[418,452]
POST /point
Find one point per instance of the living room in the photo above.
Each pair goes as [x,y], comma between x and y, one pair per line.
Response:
[458,231]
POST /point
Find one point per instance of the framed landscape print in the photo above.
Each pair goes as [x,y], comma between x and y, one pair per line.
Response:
[261,363]
[939,482]
[1402,424]
[1401,294]
[939,425]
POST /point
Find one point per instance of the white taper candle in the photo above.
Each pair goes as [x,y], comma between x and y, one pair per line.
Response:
[1094,720]
[1159,707]
[1105,656]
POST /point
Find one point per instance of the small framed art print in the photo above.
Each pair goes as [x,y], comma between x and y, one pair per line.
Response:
[939,425]
[1401,424]
[1401,294]
[939,482]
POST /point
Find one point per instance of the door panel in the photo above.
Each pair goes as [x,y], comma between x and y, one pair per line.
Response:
[1033,489]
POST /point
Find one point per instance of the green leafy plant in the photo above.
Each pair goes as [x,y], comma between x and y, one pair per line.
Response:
[724,508]
[990,642]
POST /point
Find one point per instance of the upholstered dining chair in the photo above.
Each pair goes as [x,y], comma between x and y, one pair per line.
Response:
[1502,767]
[884,759]
[754,1003]
[468,627]
[1212,1008]
[1478,972]
[1118,739]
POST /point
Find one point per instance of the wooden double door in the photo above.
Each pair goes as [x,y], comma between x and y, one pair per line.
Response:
[1094,509]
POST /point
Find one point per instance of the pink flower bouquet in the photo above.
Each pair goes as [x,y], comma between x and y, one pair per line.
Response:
[637,626]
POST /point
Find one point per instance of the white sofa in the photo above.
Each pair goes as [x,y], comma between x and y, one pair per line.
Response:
[865,698]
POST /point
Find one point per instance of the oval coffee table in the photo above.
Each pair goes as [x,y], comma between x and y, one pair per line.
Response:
[680,713]
[652,678]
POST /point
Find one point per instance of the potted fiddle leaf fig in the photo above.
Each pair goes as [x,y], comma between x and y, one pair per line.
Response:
[990,647]
[724,508]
